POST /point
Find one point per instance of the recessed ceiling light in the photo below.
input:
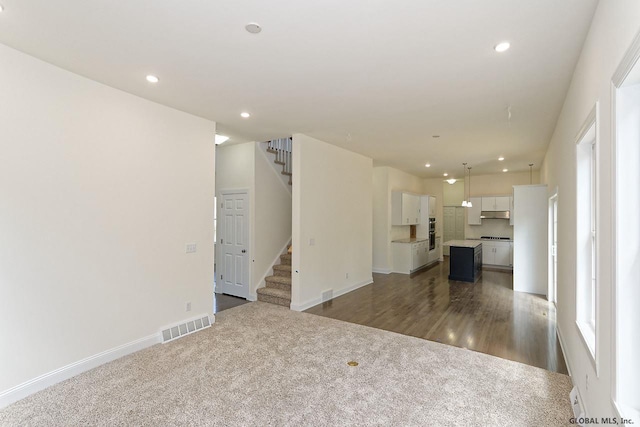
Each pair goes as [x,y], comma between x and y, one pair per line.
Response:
[245,115]
[152,79]
[445,174]
[253,28]
[501,47]
[428,165]
[501,158]
[220,139]
[505,170]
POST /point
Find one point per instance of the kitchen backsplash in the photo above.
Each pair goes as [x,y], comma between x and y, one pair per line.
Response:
[490,227]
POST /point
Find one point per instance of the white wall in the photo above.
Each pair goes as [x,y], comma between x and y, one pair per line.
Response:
[332,204]
[101,191]
[247,166]
[614,25]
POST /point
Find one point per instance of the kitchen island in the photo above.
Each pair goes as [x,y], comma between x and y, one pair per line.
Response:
[465,260]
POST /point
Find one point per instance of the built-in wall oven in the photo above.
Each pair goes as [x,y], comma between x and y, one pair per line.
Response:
[432,234]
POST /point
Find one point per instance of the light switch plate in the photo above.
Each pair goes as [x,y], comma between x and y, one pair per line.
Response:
[191,248]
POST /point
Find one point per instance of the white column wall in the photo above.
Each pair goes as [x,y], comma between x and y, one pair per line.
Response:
[332,221]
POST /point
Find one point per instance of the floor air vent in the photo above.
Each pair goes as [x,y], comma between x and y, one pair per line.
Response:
[185,328]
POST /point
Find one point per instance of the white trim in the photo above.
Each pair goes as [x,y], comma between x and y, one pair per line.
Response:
[41,382]
[562,347]
[630,59]
[381,270]
[586,332]
[631,56]
[316,301]
[551,272]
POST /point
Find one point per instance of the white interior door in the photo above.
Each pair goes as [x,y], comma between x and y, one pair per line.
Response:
[233,235]
[552,294]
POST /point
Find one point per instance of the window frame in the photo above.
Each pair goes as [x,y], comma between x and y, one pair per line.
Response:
[587,283]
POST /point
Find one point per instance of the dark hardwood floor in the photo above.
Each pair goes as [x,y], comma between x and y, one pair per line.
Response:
[224,302]
[486,316]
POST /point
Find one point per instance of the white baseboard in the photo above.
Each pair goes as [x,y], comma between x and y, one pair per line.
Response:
[252,297]
[381,270]
[562,347]
[318,300]
[25,389]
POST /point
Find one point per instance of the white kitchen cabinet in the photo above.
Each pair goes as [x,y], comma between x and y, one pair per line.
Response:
[496,253]
[499,203]
[427,205]
[473,213]
[405,208]
[502,203]
[409,257]
[432,207]
[436,253]
[488,203]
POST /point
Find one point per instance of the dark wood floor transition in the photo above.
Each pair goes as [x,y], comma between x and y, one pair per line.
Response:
[486,316]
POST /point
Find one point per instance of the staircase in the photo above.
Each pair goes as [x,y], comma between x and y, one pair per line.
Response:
[278,288]
[281,147]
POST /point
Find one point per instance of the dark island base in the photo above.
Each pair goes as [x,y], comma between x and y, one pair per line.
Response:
[465,264]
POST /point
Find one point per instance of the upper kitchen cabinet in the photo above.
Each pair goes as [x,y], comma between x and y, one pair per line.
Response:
[500,203]
[405,208]
[473,213]
[432,207]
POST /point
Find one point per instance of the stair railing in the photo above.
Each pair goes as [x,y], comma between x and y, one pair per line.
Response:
[282,148]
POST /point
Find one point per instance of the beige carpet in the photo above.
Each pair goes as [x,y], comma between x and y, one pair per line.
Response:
[264,365]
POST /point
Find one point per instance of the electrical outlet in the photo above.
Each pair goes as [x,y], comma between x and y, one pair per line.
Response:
[191,248]
[188,306]
[312,241]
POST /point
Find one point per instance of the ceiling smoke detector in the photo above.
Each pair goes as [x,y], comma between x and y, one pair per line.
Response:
[253,28]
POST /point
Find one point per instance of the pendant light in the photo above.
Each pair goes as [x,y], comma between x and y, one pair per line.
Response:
[469,204]
[530,173]
[464,175]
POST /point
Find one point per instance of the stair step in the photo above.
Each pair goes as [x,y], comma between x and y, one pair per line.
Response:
[285,259]
[282,283]
[274,296]
[282,270]
[285,173]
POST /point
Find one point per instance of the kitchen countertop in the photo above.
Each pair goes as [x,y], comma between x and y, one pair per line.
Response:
[411,240]
[463,243]
[489,240]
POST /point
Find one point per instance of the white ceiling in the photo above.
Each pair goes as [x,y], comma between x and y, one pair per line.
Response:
[373,76]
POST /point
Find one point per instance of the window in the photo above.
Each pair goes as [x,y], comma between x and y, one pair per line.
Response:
[586,234]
